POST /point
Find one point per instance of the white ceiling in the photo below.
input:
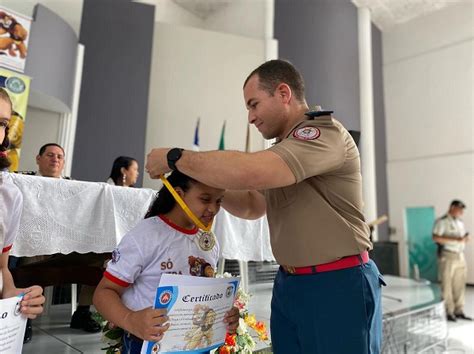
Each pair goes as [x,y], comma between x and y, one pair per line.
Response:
[386,14]
[203,8]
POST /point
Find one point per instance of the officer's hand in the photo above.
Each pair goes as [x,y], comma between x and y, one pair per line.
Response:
[232,319]
[157,163]
[147,324]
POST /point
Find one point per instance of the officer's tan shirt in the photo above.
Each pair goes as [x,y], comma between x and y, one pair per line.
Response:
[319,219]
[453,227]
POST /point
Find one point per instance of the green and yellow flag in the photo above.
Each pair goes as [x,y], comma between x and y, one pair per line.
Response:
[221,141]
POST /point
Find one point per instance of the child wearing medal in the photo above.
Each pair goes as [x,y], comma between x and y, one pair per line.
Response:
[166,241]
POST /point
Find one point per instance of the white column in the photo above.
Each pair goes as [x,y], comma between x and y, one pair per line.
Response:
[367,116]
[67,130]
[271,45]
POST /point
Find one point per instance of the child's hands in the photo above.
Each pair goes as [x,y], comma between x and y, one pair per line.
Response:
[232,319]
[32,303]
[147,324]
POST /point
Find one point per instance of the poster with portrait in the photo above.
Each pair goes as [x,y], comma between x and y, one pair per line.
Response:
[14,35]
[18,88]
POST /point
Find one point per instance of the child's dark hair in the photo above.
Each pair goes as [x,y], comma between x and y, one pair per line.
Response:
[164,201]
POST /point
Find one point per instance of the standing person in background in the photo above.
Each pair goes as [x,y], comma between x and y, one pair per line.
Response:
[124,172]
[309,184]
[451,236]
[11,206]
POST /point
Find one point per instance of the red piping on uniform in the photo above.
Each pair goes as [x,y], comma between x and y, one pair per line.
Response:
[178,228]
[116,280]
[6,249]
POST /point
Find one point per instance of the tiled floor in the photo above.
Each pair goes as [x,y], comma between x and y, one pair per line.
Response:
[53,335]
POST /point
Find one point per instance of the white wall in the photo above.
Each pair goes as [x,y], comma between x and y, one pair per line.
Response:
[428,84]
[41,127]
[198,73]
[244,18]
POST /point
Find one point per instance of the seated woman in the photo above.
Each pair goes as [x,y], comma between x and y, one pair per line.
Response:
[124,172]
[11,206]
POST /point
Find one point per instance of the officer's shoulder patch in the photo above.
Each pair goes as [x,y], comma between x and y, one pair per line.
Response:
[307,133]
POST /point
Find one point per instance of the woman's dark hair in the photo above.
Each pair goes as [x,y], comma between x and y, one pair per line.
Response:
[4,161]
[116,173]
[164,201]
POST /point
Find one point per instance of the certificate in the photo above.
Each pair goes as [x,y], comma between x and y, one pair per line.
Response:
[12,325]
[196,307]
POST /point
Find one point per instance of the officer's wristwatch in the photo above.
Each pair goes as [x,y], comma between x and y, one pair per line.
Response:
[173,156]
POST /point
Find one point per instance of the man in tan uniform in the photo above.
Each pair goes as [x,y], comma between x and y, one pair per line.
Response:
[451,236]
[326,296]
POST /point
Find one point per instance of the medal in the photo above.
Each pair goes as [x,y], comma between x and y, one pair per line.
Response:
[206,240]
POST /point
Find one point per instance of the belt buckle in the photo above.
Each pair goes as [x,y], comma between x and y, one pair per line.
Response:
[290,269]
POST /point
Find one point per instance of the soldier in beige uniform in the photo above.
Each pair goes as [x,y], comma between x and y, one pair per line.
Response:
[451,236]
[326,296]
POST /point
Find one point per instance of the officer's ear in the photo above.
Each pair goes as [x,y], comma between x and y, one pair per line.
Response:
[283,91]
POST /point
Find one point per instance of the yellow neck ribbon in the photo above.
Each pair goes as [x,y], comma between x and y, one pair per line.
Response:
[183,206]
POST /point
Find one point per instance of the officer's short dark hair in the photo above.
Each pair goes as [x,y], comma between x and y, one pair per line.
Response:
[458,204]
[45,146]
[274,72]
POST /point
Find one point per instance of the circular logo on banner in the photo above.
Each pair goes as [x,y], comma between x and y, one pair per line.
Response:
[15,84]
[165,297]
[307,133]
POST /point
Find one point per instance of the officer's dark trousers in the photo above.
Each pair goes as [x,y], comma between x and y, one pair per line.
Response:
[336,312]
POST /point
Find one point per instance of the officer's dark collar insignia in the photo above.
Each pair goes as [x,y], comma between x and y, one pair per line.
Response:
[316,114]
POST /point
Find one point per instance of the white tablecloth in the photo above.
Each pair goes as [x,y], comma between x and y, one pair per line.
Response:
[64,216]
[245,240]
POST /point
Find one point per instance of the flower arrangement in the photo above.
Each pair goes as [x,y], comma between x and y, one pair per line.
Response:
[243,341]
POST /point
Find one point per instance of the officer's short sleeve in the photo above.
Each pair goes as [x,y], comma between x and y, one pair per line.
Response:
[312,151]
[127,262]
[439,228]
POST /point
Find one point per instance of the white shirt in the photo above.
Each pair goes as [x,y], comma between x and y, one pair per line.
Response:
[11,206]
[155,246]
[453,227]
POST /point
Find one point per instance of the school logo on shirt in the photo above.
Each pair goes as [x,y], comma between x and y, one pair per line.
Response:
[115,255]
[165,297]
[307,133]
